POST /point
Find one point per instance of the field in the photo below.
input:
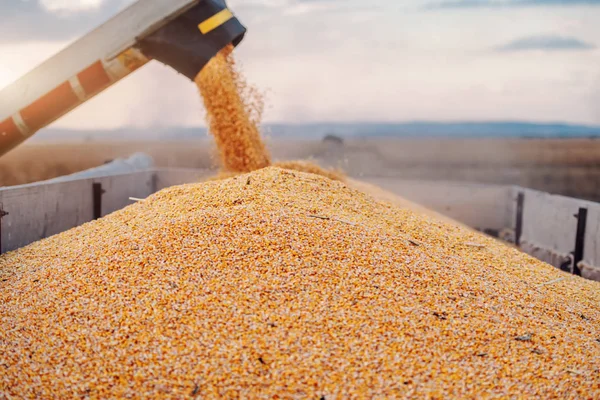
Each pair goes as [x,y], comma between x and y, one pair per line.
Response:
[570,167]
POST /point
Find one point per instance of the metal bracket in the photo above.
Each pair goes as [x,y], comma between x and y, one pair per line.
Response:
[154,183]
[519,221]
[566,266]
[579,240]
[2,215]
[97,193]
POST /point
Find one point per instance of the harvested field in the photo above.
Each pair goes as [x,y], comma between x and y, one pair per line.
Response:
[287,283]
[36,162]
[570,167]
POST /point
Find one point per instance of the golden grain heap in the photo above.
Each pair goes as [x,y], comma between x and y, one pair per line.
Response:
[281,284]
[299,165]
[233,113]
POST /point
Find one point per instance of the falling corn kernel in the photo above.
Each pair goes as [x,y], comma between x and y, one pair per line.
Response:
[233,113]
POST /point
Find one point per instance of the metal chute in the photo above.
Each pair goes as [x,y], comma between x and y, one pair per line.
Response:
[184,34]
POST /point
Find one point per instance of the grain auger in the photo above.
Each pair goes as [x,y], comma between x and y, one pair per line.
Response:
[183,34]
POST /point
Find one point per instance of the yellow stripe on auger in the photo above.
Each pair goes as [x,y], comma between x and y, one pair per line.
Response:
[215,21]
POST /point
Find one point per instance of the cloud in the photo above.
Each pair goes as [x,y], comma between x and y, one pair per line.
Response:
[70,6]
[53,20]
[450,4]
[546,43]
[293,7]
[59,20]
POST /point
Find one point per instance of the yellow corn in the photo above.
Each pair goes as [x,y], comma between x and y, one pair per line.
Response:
[233,111]
[281,283]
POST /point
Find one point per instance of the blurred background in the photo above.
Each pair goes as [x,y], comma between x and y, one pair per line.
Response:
[468,90]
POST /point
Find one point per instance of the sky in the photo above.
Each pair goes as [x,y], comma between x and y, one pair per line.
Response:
[349,60]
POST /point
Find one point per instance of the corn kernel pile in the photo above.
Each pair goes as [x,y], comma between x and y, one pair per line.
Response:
[307,166]
[233,113]
[281,284]
[301,166]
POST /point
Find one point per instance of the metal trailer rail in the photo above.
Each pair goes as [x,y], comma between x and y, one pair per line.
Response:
[562,231]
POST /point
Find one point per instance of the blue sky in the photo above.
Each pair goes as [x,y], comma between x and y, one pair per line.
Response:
[348,60]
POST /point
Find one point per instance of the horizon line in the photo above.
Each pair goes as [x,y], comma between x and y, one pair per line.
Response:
[401,122]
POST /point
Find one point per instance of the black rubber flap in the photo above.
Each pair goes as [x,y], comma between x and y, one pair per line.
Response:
[182,46]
